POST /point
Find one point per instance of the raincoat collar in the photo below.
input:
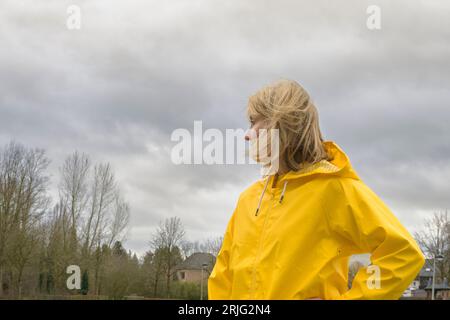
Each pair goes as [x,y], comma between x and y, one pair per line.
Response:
[338,165]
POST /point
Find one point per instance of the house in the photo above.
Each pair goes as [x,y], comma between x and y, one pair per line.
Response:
[426,273]
[418,288]
[441,290]
[190,270]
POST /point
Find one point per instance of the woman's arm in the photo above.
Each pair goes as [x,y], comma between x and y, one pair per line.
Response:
[220,280]
[359,216]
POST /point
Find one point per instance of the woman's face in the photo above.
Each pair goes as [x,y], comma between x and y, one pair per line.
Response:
[260,138]
[256,122]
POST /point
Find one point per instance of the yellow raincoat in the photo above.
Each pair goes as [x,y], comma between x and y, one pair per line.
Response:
[292,239]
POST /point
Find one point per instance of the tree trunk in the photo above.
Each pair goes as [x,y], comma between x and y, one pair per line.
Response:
[1,280]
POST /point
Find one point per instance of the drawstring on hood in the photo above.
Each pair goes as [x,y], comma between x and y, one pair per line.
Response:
[264,191]
[284,190]
[262,195]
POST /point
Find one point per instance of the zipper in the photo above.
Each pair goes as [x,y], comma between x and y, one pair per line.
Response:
[258,253]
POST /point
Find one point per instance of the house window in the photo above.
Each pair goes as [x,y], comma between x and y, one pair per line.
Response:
[182,275]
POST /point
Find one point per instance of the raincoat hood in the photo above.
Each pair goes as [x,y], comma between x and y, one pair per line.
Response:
[339,165]
[291,237]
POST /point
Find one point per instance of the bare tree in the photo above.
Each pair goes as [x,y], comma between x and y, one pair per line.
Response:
[167,240]
[74,192]
[209,245]
[118,223]
[213,245]
[101,200]
[57,255]
[23,201]
[187,248]
[434,239]
[37,244]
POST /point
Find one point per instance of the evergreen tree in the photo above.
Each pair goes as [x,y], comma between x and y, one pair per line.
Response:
[85,283]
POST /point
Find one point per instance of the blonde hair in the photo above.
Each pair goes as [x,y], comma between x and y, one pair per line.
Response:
[285,105]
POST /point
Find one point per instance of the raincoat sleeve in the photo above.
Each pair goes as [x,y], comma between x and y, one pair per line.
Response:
[220,280]
[368,226]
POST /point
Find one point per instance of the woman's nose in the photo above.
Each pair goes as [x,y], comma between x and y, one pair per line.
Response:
[250,134]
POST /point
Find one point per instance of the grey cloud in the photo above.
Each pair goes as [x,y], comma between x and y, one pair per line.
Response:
[136,71]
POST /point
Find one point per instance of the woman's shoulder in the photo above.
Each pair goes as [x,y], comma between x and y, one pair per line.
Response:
[339,184]
[252,189]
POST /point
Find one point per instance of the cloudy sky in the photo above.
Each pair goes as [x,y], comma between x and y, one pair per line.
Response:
[138,69]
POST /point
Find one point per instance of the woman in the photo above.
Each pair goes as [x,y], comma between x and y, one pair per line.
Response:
[292,233]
